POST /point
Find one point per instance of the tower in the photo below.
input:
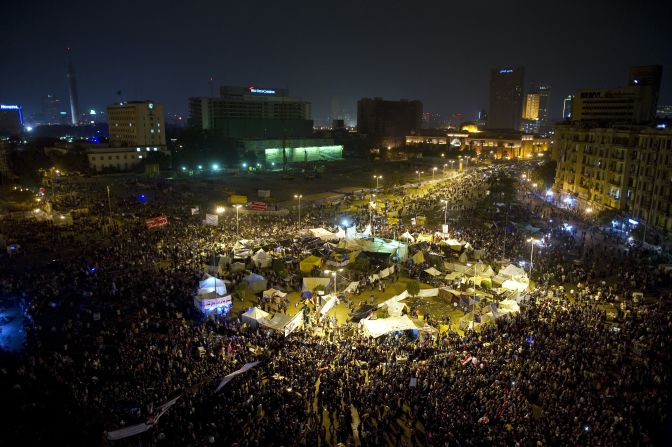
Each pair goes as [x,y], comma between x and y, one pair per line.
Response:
[72,89]
[506,97]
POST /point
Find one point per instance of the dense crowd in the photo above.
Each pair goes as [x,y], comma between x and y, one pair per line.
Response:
[112,334]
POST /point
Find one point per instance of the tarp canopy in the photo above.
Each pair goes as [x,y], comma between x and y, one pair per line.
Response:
[309,263]
[424,237]
[512,272]
[323,234]
[255,283]
[254,316]
[511,284]
[455,267]
[329,302]
[243,249]
[454,244]
[480,269]
[272,293]
[407,236]
[310,284]
[278,322]
[426,293]
[432,271]
[452,276]
[352,287]
[508,306]
[418,258]
[381,326]
[395,309]
[237,267]
[211,284]
[395,299]
[262,259]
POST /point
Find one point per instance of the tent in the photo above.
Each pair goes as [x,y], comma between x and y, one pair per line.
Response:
[424,237]
[255,283]
[254,316]
[329,301]
[408,237]
[481,269]
[272,293]
[284,323]
[352,287]
[454,244]
[309,263]
[395,309]
[426,293]
[395,299]
[508,306]
[512,284]
[211,284]
[454,267]
[262,259]
[452,276]
[463,258]
[418,258]
[512,272]
[432,271]
[310,284]
[243,249]
[381,326]
[237,267]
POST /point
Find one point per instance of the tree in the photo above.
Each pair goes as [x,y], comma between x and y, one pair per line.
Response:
[413,287]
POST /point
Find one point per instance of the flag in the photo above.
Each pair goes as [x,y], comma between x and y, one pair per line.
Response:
[195,211]
[229,377]
[211,219]
[155,222]
[258,206]
[143,427]
[467,359]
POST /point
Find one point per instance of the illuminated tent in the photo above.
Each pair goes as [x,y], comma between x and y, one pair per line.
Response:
[211,284]
[309,263]
[255,283]
[262,259]
[323,234]
[408,237]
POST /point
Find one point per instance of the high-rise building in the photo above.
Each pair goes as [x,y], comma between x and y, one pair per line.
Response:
[664,111]
[388,122]
[252,112]
[634,104]
[567,104]
[51,110]
[624,168]
[72,90]
[11,119]
[136,123]
[531,109]
[506,98]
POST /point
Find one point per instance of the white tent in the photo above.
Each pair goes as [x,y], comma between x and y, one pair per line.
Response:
[255,283]
[272,293]
[395,299]
[310,284]
[426,293]
[262,259]
[254,316]
[512,272]
[511,284]
[508,306]
[463,258]
[381,326]
[329,302]
[407,236]
[352,287]
[432,271]
[340,234]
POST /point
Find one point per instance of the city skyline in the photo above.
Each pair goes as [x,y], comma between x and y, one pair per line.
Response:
[349,64]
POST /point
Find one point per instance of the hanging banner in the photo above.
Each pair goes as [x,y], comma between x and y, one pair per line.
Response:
[155,222]
[141,428]
[258,206]
[229,377]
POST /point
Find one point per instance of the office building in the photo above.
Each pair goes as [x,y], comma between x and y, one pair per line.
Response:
[51,110]
[112,159]
[387,123]
[11,120]
[633,104]
[136,123]
[567,104]
[664,112]
[506,98]
[622,168]
[252,113]
[531,109]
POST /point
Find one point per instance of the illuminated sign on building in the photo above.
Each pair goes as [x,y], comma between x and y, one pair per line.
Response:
[9,107]
[262,91]
[505,70]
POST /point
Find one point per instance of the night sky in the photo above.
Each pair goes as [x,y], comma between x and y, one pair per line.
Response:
[439,52]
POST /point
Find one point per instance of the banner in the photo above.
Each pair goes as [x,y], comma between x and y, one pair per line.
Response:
[195,210]
[143,427]
[211,219]
[295,322]
[155,222]
[258,206]
[229,377]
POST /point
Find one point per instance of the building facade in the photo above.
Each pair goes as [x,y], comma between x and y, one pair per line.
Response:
[388,122]
[11,119]
[626,168]
[567,105]
[252,113]
[120,158]
[136,123]
[506,98]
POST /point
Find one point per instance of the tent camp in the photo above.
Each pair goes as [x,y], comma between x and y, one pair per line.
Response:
[262,259]
[382,326]
[424,237]
[255,283]
[254,316]
[243,249]
[311,262]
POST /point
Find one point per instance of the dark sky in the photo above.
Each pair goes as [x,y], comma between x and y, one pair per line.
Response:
[439,52]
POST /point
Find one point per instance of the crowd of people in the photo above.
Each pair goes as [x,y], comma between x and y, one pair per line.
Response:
[112,334]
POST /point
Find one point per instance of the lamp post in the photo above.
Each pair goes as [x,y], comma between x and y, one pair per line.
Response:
[334,274]
[433,171]
[532,241]
[237,207]
[299,196]
[419,172]
[452,164]
[445,211]
[377,177]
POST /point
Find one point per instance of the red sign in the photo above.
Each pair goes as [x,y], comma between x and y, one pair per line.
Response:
[155,222]
[258,206]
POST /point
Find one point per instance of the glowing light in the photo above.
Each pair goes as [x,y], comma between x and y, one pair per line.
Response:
[549,192]
[220,209]
[29,128]
[215,167]
[184,168]
[633,222]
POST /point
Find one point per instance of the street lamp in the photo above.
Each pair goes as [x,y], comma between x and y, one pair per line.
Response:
[334,274]
[433,171]
[445,211]
[299,196]
[237,207]
[377,177]
[220,209]
[452,163]
[532,241]
[419,172]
